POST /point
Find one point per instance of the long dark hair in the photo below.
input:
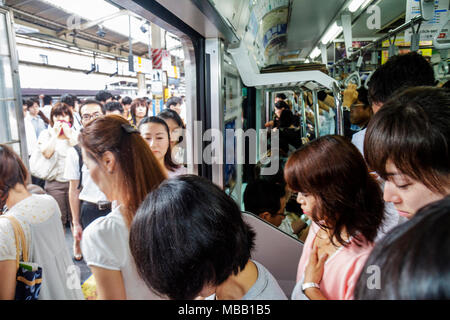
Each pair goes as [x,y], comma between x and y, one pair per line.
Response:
[12,172]
[136,103]
[140,171]
[333,170]
[168,162]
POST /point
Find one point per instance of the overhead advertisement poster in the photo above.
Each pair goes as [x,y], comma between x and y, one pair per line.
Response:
[428,29]
[274,28]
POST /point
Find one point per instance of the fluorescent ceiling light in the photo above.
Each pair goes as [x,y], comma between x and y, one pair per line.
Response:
[89,10]
[332,33]
[315,53]
[354,5]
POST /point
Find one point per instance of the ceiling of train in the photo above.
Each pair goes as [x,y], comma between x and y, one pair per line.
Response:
[286,31]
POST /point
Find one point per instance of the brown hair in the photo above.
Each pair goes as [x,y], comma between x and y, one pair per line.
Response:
[59,109]
[413,131]
[139,169]
[136,103]
[12,172]
[334,172]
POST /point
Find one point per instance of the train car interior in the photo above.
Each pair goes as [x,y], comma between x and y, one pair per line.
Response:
[234,59]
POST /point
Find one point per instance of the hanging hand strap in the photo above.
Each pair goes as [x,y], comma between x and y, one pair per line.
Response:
[18,234]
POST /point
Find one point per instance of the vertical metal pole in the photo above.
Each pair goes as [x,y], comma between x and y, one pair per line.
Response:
[316,113]
[339,112]
[303,111]
[130,47]
[267,105]
[215,49]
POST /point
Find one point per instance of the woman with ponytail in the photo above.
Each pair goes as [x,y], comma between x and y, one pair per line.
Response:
[125,169]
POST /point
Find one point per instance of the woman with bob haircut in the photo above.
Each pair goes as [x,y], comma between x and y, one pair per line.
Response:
[345,204]
[412,259]
[156,132]
[187,248]
[125,170]
[138,111]
[40,219]
[408,144]
[56,142]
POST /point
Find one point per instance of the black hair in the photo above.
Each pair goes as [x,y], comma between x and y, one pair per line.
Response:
[68,99]
[103,95]
[412,130]
[281,105]
[286,119]
[173,101]
[321,95]
[90,101]
[281,96]
[47,100]
[168,162]
[412,260]
[113,106]
[187,234]
[263,196]
[363,96]
[399,72]
[30,102]
[172,114]
[126,100]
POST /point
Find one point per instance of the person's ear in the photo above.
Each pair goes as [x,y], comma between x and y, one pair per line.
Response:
[265,216]
[109,162]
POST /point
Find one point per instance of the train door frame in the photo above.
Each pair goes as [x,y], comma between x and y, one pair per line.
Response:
[195,69]
[17,97]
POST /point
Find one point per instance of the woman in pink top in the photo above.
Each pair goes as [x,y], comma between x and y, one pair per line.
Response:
[346,206]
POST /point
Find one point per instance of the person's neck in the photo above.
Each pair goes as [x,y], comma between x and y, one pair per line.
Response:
[363,124]
[236,286]
[329,234]
[138,120]
[17,194]
[163,165]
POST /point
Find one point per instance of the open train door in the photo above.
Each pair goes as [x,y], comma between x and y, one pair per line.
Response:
[12,129]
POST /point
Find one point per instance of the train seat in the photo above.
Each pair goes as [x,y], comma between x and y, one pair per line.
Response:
[276,250]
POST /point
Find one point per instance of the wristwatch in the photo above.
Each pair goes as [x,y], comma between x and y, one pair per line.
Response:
[308,285]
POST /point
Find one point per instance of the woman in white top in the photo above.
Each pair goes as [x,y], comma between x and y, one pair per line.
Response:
[55,142]
[156,132]
[39,217]
[125,169]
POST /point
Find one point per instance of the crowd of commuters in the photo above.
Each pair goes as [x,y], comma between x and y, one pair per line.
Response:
[149,231]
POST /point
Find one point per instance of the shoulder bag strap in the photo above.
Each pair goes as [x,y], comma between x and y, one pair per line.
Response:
[18,233]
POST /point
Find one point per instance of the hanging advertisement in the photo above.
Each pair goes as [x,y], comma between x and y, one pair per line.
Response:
[428,29]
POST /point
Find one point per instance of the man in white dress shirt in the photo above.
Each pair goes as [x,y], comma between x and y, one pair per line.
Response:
[87,202]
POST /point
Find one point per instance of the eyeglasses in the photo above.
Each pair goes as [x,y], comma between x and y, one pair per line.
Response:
[87,116]
[357,105]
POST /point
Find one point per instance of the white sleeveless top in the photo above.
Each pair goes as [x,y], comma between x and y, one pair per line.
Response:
[40,219]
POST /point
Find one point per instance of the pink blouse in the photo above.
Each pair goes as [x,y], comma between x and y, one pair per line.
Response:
[341,270]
